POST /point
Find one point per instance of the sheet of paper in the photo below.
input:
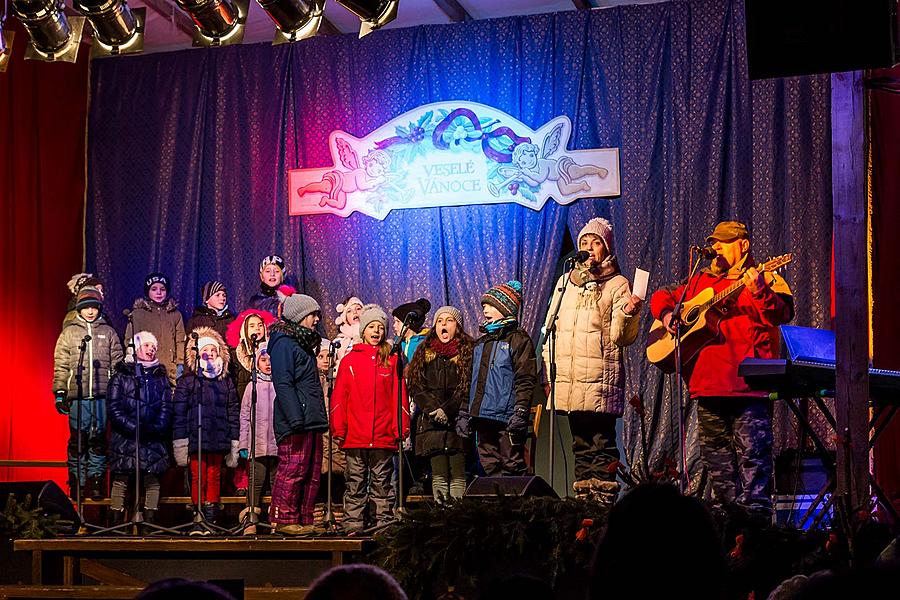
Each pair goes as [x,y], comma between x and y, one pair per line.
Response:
[641,279]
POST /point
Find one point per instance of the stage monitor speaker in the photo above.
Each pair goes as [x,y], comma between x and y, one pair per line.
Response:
[802,37]
[45,494]
[528,486]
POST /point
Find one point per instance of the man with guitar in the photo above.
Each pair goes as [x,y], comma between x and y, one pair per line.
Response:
[740,319]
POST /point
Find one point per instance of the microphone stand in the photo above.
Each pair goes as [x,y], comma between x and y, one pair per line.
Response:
[79,373]
[329,521]
[551,330]
[679,367]
[396,349]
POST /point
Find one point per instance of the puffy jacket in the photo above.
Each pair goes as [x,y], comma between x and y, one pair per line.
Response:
[166,323]
[504,373]
[592,331]
[364,401]
[299,404]
[101,355]
[266,299]
[338,460]
[749,329]
[265,411]
[154,417]
[217,398]
[439,386]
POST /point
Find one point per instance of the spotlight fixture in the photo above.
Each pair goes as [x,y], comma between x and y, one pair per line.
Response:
[54,37]
[118,29]
[6,42]
[373,14]
[217,22]
[294,19]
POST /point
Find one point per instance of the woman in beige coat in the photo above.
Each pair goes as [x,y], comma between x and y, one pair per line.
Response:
[597,319]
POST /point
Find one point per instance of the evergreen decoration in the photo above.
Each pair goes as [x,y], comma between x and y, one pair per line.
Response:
[435,549]
[24,521]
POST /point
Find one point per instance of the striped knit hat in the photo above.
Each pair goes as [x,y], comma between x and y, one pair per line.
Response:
[449,310]
[88,296]
[505,297]
[211,287]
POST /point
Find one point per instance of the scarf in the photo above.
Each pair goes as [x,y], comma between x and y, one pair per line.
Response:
[448,350]
[308,339]
[582,275]
[498,325]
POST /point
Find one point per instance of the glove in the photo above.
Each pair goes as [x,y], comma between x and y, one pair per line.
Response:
[462,422]
[129,354]
[179,370]
[244,453]
[62,407]
[439,416]
[180,450]
[231,459]
[518,422]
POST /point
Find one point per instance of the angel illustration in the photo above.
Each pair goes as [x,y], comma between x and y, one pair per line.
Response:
[534,170]
[336,184]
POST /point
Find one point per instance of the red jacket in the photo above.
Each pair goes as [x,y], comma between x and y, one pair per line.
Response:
[750,329]
[364,401]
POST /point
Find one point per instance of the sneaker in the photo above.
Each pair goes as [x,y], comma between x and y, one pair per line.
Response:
[199,529]
[95,485]
[250,530]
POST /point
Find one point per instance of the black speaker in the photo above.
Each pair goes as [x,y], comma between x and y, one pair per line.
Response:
[801,37]
[45,494]
[491,487]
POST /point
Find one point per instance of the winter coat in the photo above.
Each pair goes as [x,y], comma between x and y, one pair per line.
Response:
[265,410]
[101,354]
[155,418]
[438,386]
[299,405]
[592,331]
[166,323]
[203,316]
[409,346]
[504,374]
[338,459]
[749,329]
[217,398]
[364,401]
[264,300]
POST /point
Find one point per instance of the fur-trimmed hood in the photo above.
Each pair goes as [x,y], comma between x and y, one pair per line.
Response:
[142,303]
[237,338]
[191,358]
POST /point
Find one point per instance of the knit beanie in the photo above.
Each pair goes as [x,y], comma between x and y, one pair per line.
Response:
[210,288]
[80,280]
[325,345]
[371,313]
[155,278]
[142,337]
[601,228]
[505,297]
[295,307]
[420,307]
[272,259]
[205,341]
[88,296]
[452,311]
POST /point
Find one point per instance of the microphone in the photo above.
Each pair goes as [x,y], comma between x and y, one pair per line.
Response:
[86,339]
[580,256]
[707,252]
[194,335]
[253,337]
[336,343]
[412,315]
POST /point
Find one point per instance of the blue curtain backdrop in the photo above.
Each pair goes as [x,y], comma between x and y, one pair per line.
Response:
[188,154]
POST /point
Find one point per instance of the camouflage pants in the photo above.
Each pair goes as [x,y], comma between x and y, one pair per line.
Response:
[735,436]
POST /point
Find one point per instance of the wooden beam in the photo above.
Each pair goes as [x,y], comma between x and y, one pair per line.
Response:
[105,575]
[170,12]
[456,12]
[851,323]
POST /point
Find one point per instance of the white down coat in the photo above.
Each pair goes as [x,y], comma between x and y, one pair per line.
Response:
[592,333]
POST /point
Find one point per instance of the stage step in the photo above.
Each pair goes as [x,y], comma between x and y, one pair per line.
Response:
[114,592]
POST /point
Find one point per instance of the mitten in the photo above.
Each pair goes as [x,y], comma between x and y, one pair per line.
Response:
[62,407]
[462,422]
[244,453]
[180,450]
[231,459]
[518,422]
[439,416]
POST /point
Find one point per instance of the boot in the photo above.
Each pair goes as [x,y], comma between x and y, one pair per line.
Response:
[149,519]
[604,493]
[117,517]
[582,489]
[95,485]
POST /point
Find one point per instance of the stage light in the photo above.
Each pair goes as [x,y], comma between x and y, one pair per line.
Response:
[372,14]
[294,19]
[118,29]
[218,22]
[54,37]
[6,42]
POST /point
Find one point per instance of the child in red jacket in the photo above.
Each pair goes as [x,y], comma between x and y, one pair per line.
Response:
[364,420]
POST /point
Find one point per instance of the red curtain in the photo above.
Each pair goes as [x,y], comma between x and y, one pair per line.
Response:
[43,124]
[885,124]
